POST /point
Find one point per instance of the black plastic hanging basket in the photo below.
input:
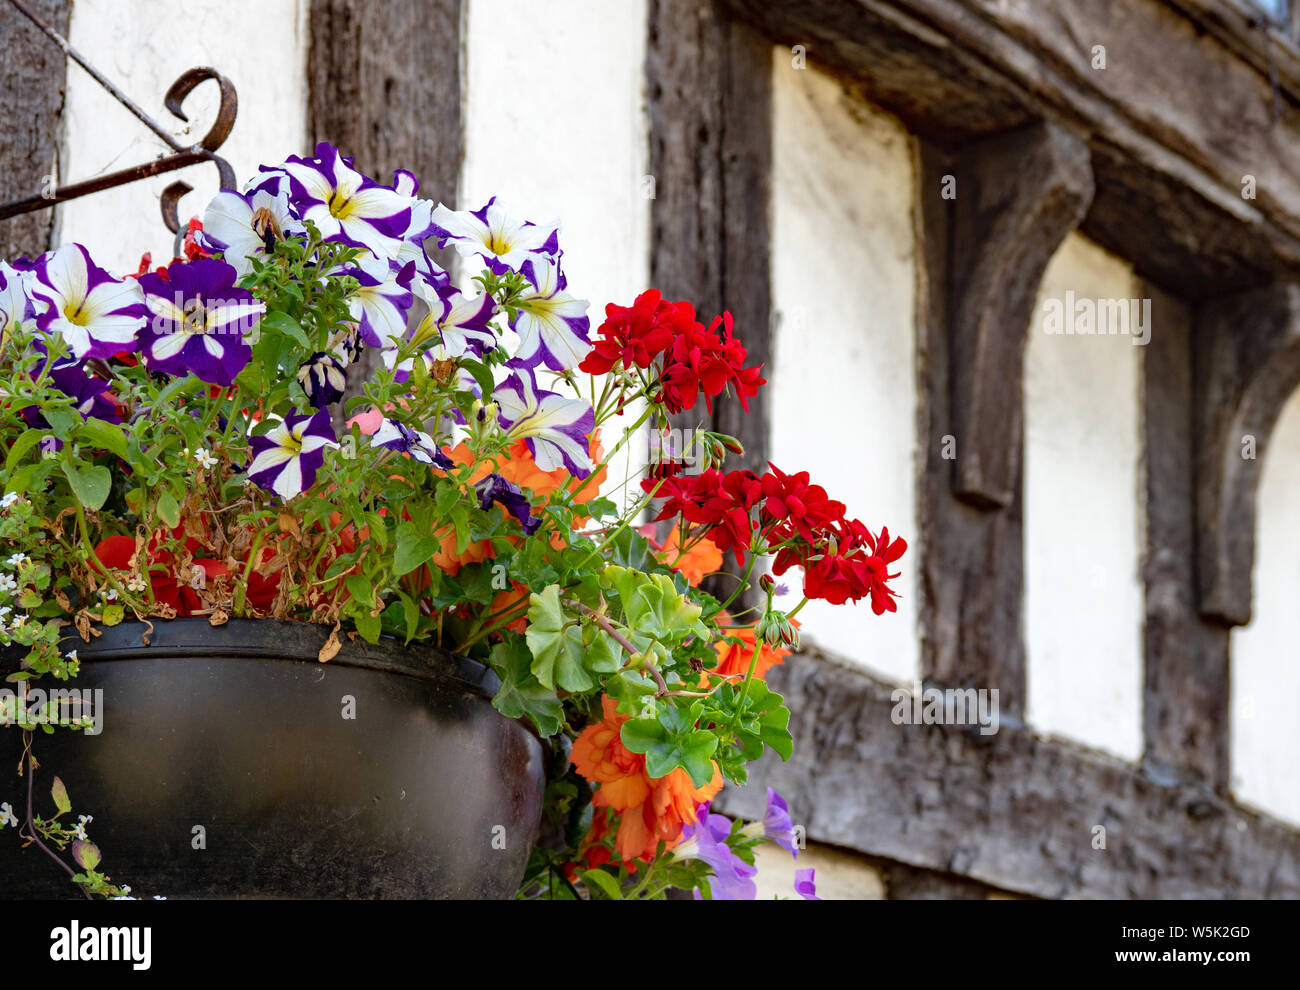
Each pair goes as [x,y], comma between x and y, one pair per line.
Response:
[232,763]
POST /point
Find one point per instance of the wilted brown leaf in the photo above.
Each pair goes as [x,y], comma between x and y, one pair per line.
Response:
[332,646]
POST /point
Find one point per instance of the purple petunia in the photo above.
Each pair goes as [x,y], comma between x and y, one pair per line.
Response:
[243,226]
[87,392]
[323,378]
[421,446]
[557,429]
[706,840]
[381,303]
[504,243]
[495,488]
[805,884]
[346,205]
[286,459]
[776,825]
[198,321]
[98,315]
[15,302]
[552,325]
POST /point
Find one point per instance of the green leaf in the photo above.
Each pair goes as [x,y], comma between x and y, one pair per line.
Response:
[113,614]
[413,549]
[60,795]
[672,745]
[566,652]
[169,510]
[368,625]
[62,420]
[103,435]
[90,484]
[286,324]
[521,693]
[603,882]
[25,442]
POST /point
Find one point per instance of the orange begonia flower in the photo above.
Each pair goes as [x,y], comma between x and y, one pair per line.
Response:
[650,809]
[733,658]
[697,562]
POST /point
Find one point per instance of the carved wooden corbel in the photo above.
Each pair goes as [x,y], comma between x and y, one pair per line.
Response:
[1017,197]
[1247,364]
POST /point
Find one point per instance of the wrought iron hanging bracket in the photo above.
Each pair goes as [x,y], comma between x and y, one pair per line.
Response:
[183,155]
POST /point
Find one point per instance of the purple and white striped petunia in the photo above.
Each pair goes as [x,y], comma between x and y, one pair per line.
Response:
[98,315]
[504,242]
[323,378]
[805,884]
[455,325]
[776,825]
[243,226]
[552,325]
[286,459]
[346,205]
[495,488]
[557,429]
[199,321]
[15,301]
[421,446]
[706,840]
[385,296]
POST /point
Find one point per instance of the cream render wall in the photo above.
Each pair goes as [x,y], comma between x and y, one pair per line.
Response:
[1265,741]
[1083,602]
[142,46]
[842,377]
[555,127]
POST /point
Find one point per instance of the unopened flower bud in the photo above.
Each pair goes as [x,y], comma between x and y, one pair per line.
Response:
[766,583]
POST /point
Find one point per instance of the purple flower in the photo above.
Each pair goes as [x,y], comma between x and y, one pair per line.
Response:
[95,313]
[705,840]
[495,488]
[323,378]
[198,322]
[286,459]
[346,205]
[454,326]
[86,391]
[380,305]
[504,243]
[421,446]
[805,885]
[776,825]
[15,302]
[552,325]
[556,428]
[243,226]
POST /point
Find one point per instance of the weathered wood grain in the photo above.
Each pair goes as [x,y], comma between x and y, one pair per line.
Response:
[385,89]
[1246,365]
[1185,710]
[33,75]
[1012,810]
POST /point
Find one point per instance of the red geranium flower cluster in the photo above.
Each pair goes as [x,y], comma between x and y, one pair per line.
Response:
[841,558]
[689,358]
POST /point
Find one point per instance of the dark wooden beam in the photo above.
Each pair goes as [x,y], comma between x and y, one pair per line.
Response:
[1246,365]
[1012,809]
[1186,699]
[983,255]
[912,883]
[385,89]
[1177,151]
[709,95]
[33,79]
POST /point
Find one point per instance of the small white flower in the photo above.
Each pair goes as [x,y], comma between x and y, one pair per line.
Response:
[9,499]
[7,815]
[4,610]
[17,560]
[85,818]
[7,584]
[18,623]
[159,897]
[205,459]
[109,594]
[135,583]
[71,654]
[126,890]
[80,832]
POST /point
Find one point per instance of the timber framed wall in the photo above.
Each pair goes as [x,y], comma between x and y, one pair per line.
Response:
[1148,158]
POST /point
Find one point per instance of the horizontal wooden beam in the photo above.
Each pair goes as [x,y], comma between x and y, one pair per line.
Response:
[1012,809]
[1176,154]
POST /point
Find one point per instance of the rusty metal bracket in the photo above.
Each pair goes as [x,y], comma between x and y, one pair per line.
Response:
[203,151]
